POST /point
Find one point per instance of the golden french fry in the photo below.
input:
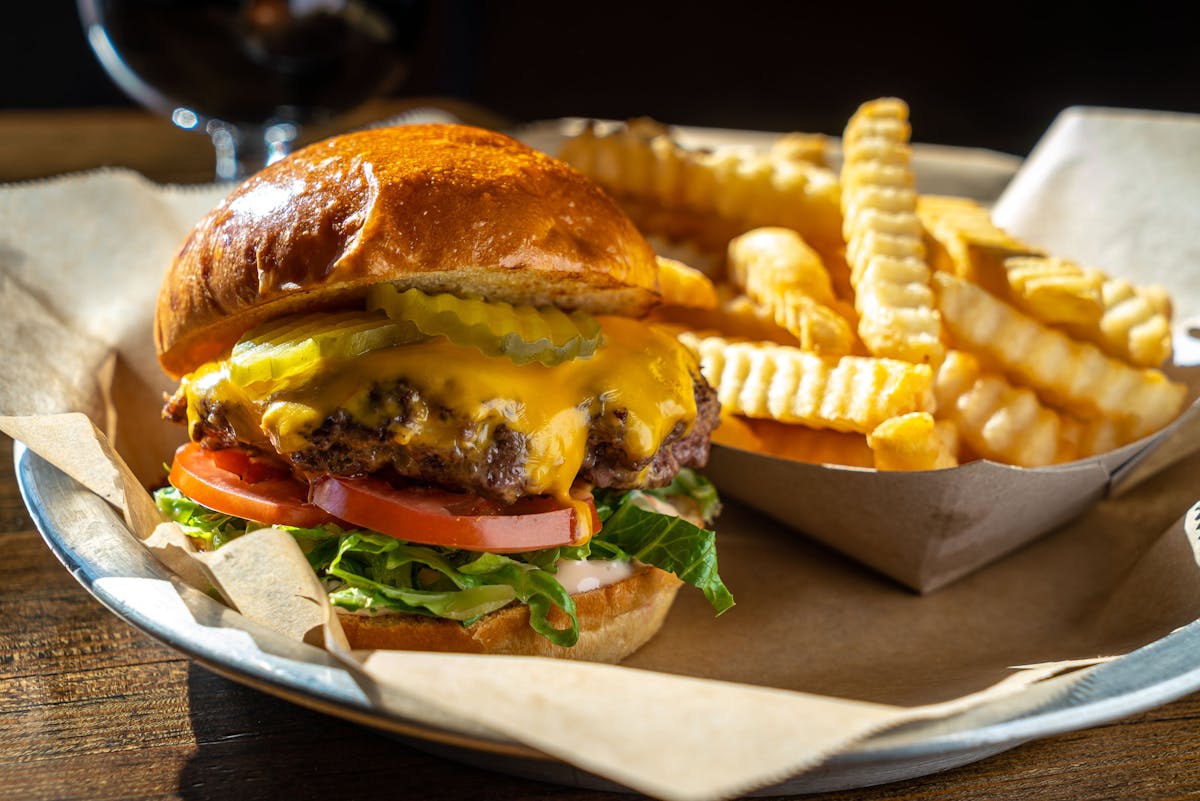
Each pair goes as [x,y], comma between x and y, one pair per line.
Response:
[896,315]
[735,431]
[691,252]
[997,420]
[793,386]
[1129,322]
[766,260]
[1074,375]
[913,442]
[781,272]
[816,327]
[736,317]
[961,239]
[1079,439]
[746,187]
[705,233]
[950,442]
[839,277]
[801,443]
[1135,324]
[802,147]
[1055,290]
[796,442]
[681,285]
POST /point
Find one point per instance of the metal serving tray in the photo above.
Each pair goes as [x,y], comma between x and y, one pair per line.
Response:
[90,539]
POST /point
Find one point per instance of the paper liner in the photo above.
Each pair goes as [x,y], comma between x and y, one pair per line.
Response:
[818,653]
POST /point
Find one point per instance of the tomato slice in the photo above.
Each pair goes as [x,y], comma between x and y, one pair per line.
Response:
[437,517]
[235,482]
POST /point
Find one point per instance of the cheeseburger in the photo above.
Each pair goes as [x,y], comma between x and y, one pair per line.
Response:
[417,350]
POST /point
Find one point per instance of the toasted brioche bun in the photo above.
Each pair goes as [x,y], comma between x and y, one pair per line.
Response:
[437,207]
[614,621]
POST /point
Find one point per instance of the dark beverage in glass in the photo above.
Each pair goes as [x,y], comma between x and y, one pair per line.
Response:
[250,72]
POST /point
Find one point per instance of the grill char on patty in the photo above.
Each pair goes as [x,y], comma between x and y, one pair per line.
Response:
[342,446]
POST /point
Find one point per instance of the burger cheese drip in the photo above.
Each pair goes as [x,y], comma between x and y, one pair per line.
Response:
[459,401]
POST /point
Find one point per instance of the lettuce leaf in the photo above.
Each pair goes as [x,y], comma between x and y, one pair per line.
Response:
[374,572]
[669,543]
[213,528]
[382,572]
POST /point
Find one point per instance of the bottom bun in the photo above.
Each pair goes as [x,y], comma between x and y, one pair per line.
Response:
[614,621]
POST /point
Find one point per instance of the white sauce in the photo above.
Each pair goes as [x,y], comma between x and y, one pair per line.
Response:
[581,575]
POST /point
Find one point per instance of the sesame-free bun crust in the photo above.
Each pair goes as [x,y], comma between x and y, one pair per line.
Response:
[614,621]
[444,208]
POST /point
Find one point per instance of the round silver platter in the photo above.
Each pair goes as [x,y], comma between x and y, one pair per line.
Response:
[90,539]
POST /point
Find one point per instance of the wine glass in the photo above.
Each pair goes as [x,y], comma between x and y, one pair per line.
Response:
[249,73]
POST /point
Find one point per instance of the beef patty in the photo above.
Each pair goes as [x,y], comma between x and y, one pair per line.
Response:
[496,469]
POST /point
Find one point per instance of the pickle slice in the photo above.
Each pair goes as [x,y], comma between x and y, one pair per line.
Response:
[292,346]
[522,333]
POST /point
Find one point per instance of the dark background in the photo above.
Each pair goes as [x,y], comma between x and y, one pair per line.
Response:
[988,75]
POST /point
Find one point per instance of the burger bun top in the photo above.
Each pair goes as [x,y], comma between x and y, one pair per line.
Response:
[442,208]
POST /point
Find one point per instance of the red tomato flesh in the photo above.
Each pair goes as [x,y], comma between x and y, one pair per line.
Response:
[234,482]
[456,520]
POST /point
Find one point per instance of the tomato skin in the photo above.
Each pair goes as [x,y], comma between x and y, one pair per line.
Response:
[437,517]
[234,482]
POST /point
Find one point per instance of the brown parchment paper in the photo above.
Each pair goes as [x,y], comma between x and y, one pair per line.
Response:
[818,653]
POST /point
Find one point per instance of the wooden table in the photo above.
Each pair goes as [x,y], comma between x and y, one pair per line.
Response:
[91,708]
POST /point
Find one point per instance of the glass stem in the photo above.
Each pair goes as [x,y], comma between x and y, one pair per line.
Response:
[243,151]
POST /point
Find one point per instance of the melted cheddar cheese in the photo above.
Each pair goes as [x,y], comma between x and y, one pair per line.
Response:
[640,377]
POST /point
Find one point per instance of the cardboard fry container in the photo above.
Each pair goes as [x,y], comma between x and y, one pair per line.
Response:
[926,528]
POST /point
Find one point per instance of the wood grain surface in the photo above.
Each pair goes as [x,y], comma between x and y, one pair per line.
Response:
[92,709]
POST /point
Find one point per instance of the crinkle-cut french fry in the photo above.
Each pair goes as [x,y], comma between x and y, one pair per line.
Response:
[735,431]
[1006,423]
[690,252]
[867,202]
[839,277]
[765,260]
[1055,290]
[885,118]
[997,420]
[1127,321]
[961,239]
[705,232]
[797,146]
[736,317]
[816,327]
[782,273]
[913,441]
[796,442]
[896,314]
[681,285]
[897,235]
[1079,439]
[751,187]
[642,160]
[793,386]
[1074,375]
[1121,319]
[950,440]
[1135,325]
